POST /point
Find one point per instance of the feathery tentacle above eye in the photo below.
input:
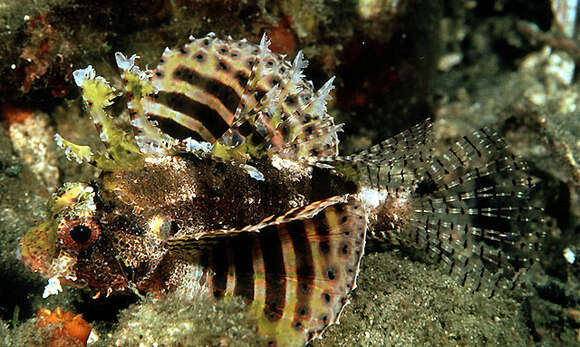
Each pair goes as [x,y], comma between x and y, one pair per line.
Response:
[121,148]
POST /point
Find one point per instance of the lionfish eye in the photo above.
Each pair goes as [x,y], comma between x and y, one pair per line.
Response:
[78,234]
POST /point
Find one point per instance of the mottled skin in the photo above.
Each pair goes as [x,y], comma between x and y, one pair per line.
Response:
[175,196]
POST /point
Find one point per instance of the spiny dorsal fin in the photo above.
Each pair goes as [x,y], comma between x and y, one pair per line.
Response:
[121,149]
[283,109]
[137,85]
[228,91]
[295,271]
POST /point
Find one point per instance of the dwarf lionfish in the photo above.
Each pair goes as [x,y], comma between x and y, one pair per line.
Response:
[231,184]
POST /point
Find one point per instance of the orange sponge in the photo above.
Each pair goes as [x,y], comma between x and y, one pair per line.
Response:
[66,328]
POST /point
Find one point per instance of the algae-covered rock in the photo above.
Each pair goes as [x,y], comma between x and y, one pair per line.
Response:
[177,321]
[400,302]
[5,334]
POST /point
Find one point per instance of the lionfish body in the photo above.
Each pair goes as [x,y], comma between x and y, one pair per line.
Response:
[231,185]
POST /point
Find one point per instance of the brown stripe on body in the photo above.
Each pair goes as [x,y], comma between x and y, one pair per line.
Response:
[304,267]
[275,273]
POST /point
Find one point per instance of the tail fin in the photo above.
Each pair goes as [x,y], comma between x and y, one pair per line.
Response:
[474,213]
[467,206]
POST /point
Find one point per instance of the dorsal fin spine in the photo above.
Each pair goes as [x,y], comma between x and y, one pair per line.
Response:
[138,86]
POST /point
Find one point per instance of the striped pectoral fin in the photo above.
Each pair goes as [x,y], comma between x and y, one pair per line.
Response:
[245,113]
[311,132]
[324,262]
[261,103]
[295,271]
[172,113]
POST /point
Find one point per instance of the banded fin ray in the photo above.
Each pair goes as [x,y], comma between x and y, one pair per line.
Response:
[310,132]
[200,86]
[283,109]
[473,213]
[120,150]
[245,115]
[466,207]
[137,85]
[396,164]
[295,271]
